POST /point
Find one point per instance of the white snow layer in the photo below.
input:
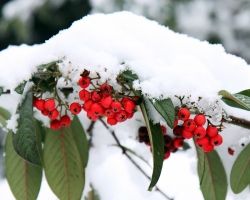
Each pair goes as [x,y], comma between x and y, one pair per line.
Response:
[167,63]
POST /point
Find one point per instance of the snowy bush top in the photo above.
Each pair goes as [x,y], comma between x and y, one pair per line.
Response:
[166,62]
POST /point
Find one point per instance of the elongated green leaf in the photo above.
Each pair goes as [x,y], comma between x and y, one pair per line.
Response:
[23,177]
[213,180]
[238,100]
[80,140]
[25,140]
[240,174]
[157,144]
[166,109]
[63,164]
[4,116]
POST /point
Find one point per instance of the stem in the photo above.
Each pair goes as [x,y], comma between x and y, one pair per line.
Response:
[238,121]
[124,151]
[90,131]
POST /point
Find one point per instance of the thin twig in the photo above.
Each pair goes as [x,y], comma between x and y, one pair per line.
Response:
[133,153]
[124,151]
[90,131]
[238,121]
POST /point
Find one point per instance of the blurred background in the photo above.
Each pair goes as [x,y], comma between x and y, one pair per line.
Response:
[218,21]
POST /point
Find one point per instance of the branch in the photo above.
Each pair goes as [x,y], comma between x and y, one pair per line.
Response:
[238,121]
[124,151]
[90,132]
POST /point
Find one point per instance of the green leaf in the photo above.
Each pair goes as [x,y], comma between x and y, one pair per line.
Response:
[25,140]
[20,88]
[213,180]
[240,174]
[238,100]
[23,177]
[166,109]
[157,144]
[4,116]
[80,140]
[63,164]
[127,77]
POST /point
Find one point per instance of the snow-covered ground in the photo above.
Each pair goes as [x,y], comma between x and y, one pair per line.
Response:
[167,64]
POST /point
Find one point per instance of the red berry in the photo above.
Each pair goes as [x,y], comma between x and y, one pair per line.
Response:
[92,116]
[50,104]
[84,95]
[109,113]
[75,108]
[65,121]
[55,124]
[106,101]
[39,104]
[183,114]
[53,114]
[189,125]
[116,106]
[163,129]
[166,155]
[95,96]
[87,105]
[97,109]
[216,140]
[168,141]
[230,151]
[106,88]
[111,121]
[187,134]
[212,131]
[45,112]
[200,119]
[177,142]
[121,116]
[84,82]
[178,130]
[130,115]
[200,132]
[129,106]
[208,148]
[124,99]
[202,141]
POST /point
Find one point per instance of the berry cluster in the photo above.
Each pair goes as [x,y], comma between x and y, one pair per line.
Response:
[100,100]
[171,145]
[206,138]
[48,108]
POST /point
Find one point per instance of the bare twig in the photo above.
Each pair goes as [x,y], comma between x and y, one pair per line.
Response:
[238,121]
[124,151]
[90,131]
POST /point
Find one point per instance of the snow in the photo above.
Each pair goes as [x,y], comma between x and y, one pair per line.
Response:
[167,64]
[164,60]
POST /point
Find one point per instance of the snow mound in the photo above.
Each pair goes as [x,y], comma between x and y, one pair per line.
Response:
[166,62]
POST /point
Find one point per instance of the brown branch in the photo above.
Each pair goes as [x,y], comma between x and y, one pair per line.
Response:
[238,121]
[124,151]
[90,132]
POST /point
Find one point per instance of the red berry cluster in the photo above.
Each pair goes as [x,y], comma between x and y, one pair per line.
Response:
[206,138]
[102,101]
[48,108]
[171,145]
